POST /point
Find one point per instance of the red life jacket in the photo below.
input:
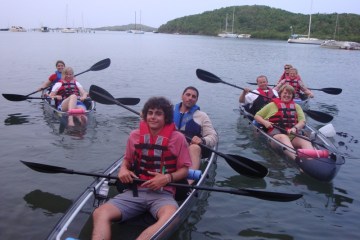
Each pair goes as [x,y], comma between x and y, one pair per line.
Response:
[295,83]
[286,117]
[152,153]
[268,95]
[68,88]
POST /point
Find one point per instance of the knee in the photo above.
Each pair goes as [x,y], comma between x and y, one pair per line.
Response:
[73,96]
[194,148]
[100,213]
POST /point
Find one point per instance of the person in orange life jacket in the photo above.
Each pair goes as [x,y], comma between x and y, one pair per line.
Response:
[195,124]
[253,102]
[286,74]
[287,115]
[295,81]
[55,77]
[156,153]
[67,90]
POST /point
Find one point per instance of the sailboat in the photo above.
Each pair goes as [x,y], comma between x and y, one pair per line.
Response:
[67,29]
[136,31]
[305,39]
[339,44]
[226,34]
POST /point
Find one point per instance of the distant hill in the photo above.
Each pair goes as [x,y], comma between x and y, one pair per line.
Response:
[126,27]
[267,23]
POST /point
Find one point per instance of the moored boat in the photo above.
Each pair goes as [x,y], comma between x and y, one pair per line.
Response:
[77,222]
[321,167]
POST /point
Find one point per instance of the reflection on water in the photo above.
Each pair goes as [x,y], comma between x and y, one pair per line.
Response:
[52,203]
[328,108]
[264,235]
[16,119]
[335,197]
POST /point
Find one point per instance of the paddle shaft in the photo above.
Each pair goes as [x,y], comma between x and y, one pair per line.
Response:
[270,196]
[300,136]
[329,90]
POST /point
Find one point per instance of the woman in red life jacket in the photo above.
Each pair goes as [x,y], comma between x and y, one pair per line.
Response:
[55,77]
[288,115]
[295,81]
[285,74]
[156,153]
[70,93]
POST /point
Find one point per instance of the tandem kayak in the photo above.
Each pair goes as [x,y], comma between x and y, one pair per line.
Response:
[325,160]
[81,117]
[77,221]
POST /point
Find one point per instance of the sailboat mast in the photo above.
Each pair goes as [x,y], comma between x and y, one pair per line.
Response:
[226,23]
[310,20]
[232,29]
[336,26]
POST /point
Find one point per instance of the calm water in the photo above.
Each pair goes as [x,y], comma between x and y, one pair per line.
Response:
[155,64]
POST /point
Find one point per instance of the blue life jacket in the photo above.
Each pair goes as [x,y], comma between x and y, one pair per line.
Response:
[185,123]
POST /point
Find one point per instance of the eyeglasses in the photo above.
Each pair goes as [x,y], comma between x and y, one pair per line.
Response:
[286,68]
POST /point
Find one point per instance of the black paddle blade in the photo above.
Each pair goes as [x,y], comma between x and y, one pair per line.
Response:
[319,116]
[14,97]
[108,99]
[270,196]
[128,101]
[207,76]
[44,168]
[252,169]
[334,91]
[101,65]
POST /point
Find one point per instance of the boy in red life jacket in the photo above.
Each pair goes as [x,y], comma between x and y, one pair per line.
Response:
[67,91]
[157,153]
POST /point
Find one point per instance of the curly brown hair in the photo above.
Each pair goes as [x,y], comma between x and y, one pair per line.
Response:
[159,103]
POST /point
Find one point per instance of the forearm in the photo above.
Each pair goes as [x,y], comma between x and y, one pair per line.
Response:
[180,174]
[242,97]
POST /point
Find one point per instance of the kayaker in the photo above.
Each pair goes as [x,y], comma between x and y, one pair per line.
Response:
[195,124]
[156,153]
[295,81]
[251,101]
[55,77]
[69,93]
[285,113]
[285,74]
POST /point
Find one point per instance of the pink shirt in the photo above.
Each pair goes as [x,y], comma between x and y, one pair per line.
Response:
[177,146]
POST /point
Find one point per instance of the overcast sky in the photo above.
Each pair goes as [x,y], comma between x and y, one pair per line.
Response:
[99,13]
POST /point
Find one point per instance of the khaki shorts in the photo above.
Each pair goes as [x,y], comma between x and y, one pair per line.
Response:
[148,200]
[276,131]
